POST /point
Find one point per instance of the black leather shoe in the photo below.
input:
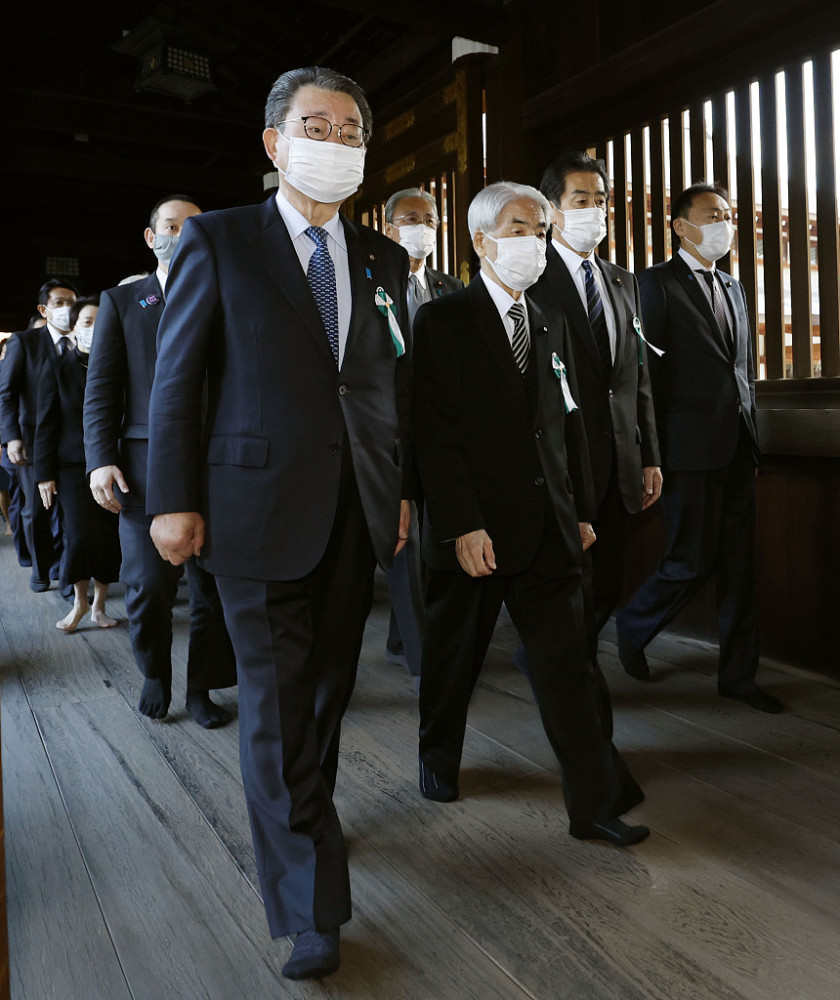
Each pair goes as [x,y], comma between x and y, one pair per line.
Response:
[612,830]
[633,660]
[315,955]
[760,700]
[435,788]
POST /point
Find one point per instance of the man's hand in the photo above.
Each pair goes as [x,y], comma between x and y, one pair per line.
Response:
[16,451]
[48,491]
[102,487]
[475,553]
[652,479]
[587,534]
[178,536]
[405,520]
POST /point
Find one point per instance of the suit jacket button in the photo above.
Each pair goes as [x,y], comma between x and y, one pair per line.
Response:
[538,432]
[343,390]
[539,481]
[335,446]
[611,394]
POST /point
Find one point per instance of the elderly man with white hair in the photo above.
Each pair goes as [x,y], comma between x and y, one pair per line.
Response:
[503,460]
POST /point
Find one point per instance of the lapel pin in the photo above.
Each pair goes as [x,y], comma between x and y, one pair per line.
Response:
[371,256]
[150,300]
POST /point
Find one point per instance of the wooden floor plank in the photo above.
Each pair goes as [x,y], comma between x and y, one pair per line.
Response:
[58,938]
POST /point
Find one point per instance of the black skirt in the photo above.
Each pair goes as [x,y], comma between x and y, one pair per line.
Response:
[91,534]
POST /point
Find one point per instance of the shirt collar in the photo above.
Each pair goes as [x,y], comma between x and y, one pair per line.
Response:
[694,263]
[57,335]
[501,300]
[298,224]
[572,260]
[161,276]
[420,275]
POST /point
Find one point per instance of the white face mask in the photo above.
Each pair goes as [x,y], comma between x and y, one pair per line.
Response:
[418,241]
[164,246]
[60,318]
[717,239]
[325,171]
[583,228]
[520,260]
[84,338]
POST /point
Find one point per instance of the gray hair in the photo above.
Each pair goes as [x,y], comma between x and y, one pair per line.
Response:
[397,197]
[282,94]
[487,205]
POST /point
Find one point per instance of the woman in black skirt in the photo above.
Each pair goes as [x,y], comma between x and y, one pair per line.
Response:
[91,539]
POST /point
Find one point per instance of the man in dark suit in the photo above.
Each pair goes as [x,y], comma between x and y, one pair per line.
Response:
[26,354]
[293,486]
[120,374]
[502,457]
[601,303]
[704,391]
[412,220]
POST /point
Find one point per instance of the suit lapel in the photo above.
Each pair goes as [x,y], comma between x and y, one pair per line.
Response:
[540,346]
[277,254]
[148,318]
[570,300]
[618,299]
[361,260]
[492,332]
[687,279]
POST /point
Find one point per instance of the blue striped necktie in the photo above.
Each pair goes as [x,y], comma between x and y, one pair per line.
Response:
[597,319]
[321,277]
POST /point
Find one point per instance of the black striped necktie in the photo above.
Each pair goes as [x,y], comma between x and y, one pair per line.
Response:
[519,342]
[718,307]
[597,319]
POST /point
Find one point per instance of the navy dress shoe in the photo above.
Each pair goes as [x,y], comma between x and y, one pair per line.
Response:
[315,955]
[435,788]
[633,660]
[614,831]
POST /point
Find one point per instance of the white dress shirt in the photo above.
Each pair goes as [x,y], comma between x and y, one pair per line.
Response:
[502,301]
[574,262]
[58,336]
[337,246]
[700,269]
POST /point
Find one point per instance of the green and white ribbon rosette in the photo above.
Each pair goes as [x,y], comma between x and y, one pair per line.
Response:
[560,372]
[637,326]
[385,304]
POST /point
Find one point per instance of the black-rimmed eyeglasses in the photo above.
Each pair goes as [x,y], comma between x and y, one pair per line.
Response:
[320,129]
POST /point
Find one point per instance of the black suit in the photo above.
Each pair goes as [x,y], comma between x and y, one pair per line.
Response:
[122,366]
[440,283]
[297,472]
[498,451]
[704,390]
[20,373]
[90,537]
[617,408]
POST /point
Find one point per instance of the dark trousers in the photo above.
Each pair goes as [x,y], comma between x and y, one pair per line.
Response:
[710,523]
[604,565]
[16,502]
[297,647]
[41,528]
[151,587]
[546,606]
[405,632]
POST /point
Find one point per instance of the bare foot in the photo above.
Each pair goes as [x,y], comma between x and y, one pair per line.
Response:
[70,623]
[98,617]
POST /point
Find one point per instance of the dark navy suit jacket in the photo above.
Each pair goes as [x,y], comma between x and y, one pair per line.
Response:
[120,375]
[20,373]
[704,387]
[264,466]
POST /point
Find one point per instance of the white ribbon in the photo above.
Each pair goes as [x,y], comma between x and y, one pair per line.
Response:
[637,326]
[560,372]
[385,304]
